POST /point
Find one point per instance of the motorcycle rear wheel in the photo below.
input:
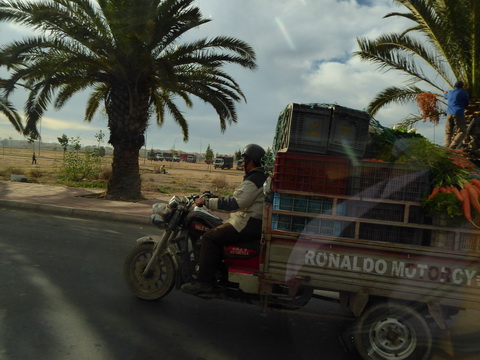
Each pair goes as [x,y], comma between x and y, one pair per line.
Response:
[159,281]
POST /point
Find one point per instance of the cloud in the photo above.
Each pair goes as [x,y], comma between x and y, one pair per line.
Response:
[304,54]
[62,125]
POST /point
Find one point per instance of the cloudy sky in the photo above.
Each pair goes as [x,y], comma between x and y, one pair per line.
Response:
[304,54]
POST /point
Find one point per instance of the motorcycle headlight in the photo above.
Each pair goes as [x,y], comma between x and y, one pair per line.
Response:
[174,202]
[161,214]
[158,220]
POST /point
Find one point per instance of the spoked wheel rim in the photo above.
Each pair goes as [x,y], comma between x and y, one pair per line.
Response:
[156,277]
[159,280]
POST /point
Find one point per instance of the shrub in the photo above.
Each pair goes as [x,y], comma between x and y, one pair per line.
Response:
[35,173]
[77,167]
[220,182]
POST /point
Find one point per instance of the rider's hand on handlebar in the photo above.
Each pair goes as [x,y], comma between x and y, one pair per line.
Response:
[200,201]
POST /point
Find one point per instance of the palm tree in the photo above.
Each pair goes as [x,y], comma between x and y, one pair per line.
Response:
[444,37]
[129,54]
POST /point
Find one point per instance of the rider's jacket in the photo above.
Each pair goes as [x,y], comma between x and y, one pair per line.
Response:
[245,205]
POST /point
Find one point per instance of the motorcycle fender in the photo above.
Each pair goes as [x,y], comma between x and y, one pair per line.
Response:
[156,239]
[151,238]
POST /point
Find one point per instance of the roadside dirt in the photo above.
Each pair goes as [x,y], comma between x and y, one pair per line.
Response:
[181,178]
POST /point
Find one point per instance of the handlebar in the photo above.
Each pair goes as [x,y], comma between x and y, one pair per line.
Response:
[209,195]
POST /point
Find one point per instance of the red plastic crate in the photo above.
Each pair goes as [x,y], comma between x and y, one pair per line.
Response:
[311,173]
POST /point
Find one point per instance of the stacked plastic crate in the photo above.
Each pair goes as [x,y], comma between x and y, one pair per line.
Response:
[314,146]
[319,150]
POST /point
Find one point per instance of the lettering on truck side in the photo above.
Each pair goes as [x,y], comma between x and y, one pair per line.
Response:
[400,269]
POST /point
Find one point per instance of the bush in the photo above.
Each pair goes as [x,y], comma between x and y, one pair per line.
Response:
[77,167]
[35,173]
[220,182]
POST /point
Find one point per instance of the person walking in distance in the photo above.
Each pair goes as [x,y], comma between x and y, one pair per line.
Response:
[458,100]
[34,159]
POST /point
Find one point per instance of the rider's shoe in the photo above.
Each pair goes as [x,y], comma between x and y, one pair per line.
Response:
[197,288]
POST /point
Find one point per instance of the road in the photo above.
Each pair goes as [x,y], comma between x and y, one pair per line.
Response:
[62,297]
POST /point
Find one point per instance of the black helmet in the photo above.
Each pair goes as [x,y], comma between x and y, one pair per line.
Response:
[458,84]
[254,152]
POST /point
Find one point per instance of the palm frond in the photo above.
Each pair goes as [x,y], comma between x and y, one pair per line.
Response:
[393,94]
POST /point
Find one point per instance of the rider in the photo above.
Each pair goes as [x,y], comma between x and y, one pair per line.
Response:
[243,225]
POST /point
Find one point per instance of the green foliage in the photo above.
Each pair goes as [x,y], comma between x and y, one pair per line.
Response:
[63,141]
[410,148]
[92,184]
[445,203]
[77,167]
[75,143]
[100,136]
[389,144]
[209,153]
[151,154]
[238,155]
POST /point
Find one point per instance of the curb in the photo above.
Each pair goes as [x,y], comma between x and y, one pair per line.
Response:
[76,213]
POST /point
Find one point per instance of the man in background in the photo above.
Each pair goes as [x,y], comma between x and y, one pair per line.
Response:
[458,100]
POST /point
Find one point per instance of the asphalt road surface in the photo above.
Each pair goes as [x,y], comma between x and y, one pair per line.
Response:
[62,297]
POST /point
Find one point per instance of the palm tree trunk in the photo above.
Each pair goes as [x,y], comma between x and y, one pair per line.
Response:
[127,121]
[125,183]
[471,143]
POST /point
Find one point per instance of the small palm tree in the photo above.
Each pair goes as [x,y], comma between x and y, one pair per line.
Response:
[444,38]
[130,55]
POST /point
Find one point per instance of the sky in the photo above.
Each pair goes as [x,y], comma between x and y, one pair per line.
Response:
[304,54]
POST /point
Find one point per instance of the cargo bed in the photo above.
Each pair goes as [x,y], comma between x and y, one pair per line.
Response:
[418,259]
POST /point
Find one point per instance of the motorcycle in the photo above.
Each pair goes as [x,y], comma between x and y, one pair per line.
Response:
[158,264]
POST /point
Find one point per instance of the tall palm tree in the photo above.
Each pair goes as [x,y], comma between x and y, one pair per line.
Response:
[130,55]
[441,46]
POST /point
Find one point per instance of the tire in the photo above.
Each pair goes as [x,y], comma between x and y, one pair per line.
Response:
[392,331]
[159,281]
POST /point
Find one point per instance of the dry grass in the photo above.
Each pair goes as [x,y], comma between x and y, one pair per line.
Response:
[181,179]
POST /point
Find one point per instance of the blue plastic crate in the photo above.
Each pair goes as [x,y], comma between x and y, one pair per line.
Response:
[281,222]
[300,203]
[320,205]
[283,201]
[312,226]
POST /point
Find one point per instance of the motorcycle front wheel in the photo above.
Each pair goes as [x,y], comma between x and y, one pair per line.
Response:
[158,282]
